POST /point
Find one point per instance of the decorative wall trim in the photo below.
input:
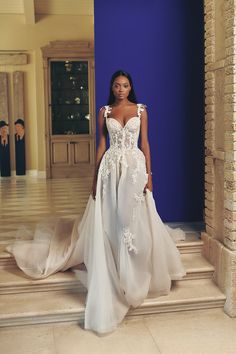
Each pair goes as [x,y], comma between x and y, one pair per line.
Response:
[81,49]
[13,59]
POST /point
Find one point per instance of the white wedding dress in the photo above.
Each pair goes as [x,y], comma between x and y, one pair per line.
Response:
[127,250]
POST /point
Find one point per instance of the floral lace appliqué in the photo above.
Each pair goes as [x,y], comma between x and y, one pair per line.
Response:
[128,238]
[138,167]
[139,197]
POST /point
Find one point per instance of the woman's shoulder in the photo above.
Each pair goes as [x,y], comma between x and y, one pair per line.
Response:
[142,106]
[102,108]
[104,111]
[139,104]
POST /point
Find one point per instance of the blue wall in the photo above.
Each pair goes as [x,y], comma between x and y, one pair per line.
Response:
[160,43]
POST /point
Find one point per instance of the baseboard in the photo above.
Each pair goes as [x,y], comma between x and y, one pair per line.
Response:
[29,173]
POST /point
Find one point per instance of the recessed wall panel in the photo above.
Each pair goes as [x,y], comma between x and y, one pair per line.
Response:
[81,152]
[60,153]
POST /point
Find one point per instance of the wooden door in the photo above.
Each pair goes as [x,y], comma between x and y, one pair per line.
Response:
[70,119]
[71,157]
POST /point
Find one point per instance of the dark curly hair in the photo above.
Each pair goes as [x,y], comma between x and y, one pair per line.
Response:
[131,97]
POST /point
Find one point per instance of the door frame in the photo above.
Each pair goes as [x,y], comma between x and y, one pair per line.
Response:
[68,50]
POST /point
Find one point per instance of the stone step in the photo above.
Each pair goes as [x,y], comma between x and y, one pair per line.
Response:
[6,260]
[192,244]
[190,247]
[192,294]
[61,306]
[12,279]
[197,267]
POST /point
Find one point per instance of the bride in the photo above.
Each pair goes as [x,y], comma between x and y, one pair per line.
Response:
[125,250]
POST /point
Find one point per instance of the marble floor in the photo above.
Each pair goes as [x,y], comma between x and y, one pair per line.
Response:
[188,332]
[24,201]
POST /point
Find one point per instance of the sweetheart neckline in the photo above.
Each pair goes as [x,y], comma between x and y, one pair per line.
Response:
[122,126]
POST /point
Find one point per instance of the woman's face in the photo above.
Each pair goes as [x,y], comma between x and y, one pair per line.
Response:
[121,87]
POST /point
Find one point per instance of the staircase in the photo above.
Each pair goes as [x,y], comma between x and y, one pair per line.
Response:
[61,297]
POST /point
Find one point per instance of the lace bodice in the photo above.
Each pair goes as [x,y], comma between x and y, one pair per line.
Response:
[123,137]
[123,152]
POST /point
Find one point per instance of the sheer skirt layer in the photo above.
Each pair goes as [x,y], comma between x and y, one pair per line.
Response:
[127,255]
[127,250]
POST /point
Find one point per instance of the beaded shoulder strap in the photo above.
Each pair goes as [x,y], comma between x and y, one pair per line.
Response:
[107,110]
[141,108]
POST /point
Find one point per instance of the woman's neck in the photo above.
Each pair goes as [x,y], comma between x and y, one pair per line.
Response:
[122,102]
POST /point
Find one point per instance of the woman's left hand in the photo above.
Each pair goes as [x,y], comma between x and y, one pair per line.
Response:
[149,184]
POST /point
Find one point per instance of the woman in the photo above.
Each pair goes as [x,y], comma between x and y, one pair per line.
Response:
[20,146]
[125,248]
[5,167]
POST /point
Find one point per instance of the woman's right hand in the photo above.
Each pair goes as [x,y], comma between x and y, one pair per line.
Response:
[94,187]
[100,149]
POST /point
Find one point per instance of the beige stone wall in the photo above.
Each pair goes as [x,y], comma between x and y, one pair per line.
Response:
[16,35]
[220,145]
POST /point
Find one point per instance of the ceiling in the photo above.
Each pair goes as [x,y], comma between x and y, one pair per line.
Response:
[30,8]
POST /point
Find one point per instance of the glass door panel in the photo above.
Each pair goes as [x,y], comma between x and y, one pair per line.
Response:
[69,98]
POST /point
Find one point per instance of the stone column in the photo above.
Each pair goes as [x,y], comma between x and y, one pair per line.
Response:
[209,116]
[220,145]
[230,126]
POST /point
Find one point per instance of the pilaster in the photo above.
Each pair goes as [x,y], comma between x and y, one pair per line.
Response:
[220,145]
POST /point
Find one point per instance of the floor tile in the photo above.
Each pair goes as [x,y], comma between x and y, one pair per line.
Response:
[194,332]
[27,340]
[132,337]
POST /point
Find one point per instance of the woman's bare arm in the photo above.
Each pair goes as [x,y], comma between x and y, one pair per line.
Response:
[101,147]
[144,145]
